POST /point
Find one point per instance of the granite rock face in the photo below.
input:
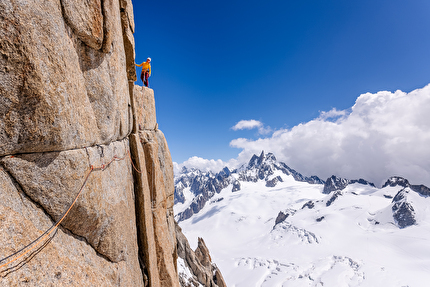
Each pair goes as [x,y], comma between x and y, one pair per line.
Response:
[144,101]
[86,20]
[59,89]
[104,211]
[68,126]
[67,259]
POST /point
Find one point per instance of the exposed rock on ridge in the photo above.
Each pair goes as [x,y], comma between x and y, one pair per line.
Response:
[198,262]
[400,181]
[403,210]
[335,183]
[204,185]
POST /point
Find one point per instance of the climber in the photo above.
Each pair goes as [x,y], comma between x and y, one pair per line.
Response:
[146,71]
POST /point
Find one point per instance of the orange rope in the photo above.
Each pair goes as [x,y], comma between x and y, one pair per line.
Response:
[49,231]
[138,171]
[53,227]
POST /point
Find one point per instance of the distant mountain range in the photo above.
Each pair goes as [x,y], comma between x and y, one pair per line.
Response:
[204,185]
[268,225]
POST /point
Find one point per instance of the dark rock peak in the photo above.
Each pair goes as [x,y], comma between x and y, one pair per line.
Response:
[396,180]
[335,195]
[403,211]
[257,161]
[253,161]
[400,181]
[310,204]
[362,181]
[225,172]
[336,183]
[207,184]
[274,181]
[184,169]
[421,189]
[236,186]
[401,195]
[282,215]
[263,166]
[315,180]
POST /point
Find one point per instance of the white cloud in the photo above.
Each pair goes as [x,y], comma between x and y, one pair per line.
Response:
[332,114]
[251,124]
[202,164]
[382,135]
[247,124]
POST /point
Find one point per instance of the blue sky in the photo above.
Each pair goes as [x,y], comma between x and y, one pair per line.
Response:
[281,63]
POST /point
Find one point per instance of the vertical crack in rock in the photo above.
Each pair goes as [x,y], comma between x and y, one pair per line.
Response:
[107,7]
[86,20]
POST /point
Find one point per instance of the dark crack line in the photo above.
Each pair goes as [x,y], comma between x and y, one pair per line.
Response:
[22,193]
[83,239]
[103,145]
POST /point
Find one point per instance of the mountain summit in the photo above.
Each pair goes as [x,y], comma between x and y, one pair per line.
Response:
[194,188]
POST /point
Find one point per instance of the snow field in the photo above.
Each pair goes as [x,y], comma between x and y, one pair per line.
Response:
[354,242]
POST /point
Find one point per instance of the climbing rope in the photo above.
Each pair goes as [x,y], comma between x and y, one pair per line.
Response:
[134,167]
[48,232]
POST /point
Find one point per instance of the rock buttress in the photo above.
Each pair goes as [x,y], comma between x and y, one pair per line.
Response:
[66,105]
[154,194]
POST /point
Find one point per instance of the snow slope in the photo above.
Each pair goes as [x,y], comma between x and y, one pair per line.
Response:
[351,239]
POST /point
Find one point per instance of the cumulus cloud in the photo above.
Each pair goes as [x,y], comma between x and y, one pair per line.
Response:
[247,124]
[201,164]
[382,135]
[332,114]
[251,124]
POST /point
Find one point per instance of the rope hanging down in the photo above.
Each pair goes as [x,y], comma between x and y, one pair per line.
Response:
[48,232]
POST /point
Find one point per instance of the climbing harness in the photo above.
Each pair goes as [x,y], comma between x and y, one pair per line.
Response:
[48,232]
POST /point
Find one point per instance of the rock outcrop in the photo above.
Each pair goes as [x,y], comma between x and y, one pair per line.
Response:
[198,263]
[403,182]
[403,211]
[335,183]
[72,122]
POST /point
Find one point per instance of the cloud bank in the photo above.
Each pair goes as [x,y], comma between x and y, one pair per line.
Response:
[382,135]
[204,164]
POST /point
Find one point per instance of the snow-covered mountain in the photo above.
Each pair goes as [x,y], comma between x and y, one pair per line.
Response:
[194,188]
[267,225]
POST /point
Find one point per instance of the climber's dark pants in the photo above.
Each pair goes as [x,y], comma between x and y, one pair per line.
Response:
[144,77]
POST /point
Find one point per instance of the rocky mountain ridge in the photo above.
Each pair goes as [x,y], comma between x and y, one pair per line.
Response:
[273,235]
[401,208]
[265,167]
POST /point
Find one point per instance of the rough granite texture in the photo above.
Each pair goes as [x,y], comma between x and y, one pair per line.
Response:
[57,92]
[68,104]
